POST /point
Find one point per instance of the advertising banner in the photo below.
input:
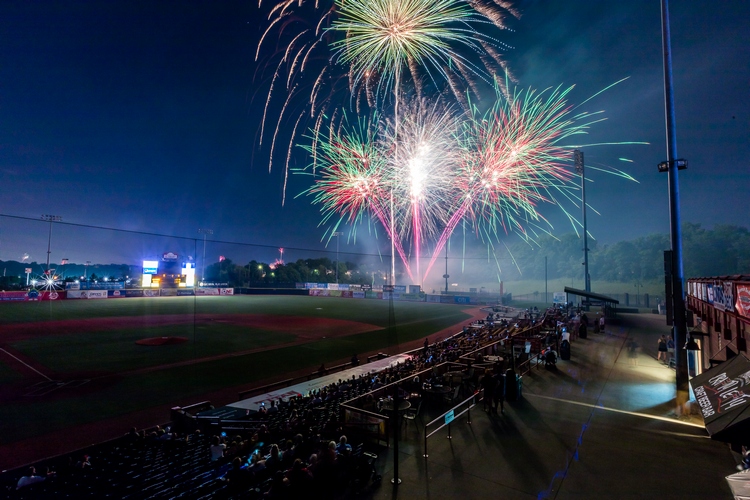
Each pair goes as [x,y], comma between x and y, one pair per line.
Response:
[358,295]
[13,296]
[333,286]
[133,293]
[95,294]
[728,296]
[116,294]
[344,286]
[742,301]
[207,291]
[399,288]
[459,299]
[226,291]
[723,394]
[74,294]
[334,293]
[31,295]
[446,299]
[300,286]
[710,293]
[153,292]
[324,286]
[168,292]
[366,287]
[432,298]
[374,295]
[346,294]
[718,296]
[185,291]
[415,289]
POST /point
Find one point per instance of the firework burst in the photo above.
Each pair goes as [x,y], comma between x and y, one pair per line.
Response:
[490,170]
[357,51]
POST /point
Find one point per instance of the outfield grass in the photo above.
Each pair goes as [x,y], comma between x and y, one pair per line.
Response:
[115,351]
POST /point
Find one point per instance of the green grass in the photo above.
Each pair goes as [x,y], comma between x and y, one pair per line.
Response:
[116,351]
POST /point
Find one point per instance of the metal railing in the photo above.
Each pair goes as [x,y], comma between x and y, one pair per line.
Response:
[471,402]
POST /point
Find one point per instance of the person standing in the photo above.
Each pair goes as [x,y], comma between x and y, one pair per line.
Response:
[488,383]
[670,349]
[499,396]
[662,349]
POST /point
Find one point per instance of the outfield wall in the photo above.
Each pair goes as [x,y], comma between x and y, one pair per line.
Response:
[37,295]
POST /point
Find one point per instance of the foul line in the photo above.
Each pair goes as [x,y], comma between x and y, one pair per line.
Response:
[634,413]
[26,364]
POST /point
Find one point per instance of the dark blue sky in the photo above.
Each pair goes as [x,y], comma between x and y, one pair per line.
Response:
[144,116]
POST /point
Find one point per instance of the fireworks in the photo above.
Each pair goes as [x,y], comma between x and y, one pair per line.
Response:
[324,55]
[490,170]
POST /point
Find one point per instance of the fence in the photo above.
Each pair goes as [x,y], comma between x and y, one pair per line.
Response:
[449,416]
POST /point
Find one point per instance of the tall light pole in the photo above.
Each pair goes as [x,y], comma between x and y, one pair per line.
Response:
[50,219]
[446,275]
[337,234]
[578,159]
[204,232]
[671,166]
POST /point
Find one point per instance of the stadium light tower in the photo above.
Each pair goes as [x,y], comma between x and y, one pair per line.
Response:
[204,232]
[671,166]
[580,169]
[50,219]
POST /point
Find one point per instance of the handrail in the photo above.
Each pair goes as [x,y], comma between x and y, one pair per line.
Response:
[467,411]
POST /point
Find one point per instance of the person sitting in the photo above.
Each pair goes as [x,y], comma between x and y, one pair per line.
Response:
[33,478]
[237,477]
[273,409]
[550,358]
[217,449]
[343,446]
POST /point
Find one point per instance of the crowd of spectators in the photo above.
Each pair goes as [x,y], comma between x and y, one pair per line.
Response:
[298,447]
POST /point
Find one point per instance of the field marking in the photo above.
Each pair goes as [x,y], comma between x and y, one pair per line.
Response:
[25,364]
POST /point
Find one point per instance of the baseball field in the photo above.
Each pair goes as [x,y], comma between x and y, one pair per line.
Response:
[75,362]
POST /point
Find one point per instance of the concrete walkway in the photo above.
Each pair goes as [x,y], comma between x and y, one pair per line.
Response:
[600,426]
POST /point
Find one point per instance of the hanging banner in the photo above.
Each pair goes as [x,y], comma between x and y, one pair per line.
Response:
[742,303]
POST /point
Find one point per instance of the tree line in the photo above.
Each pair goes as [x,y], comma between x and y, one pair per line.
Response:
[723,250]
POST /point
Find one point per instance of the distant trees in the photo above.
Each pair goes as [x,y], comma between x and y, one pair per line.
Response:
[321,270]
[723,250]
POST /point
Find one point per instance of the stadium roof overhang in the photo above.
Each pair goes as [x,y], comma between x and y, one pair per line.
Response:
[591,295]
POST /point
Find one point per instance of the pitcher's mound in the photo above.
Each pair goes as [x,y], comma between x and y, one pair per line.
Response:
[162,341]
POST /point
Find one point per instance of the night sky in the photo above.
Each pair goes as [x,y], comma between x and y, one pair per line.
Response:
[144,116]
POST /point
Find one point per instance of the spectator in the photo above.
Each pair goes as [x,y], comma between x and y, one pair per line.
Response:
[32,478]
[488,383]
[274,461]
[343,446]
[300,480]
[662,349]
[355,360]
[217,449]
[238,478]
[273,409]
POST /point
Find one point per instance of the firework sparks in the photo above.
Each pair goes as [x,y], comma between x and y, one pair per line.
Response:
[491,171]
[322,54]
